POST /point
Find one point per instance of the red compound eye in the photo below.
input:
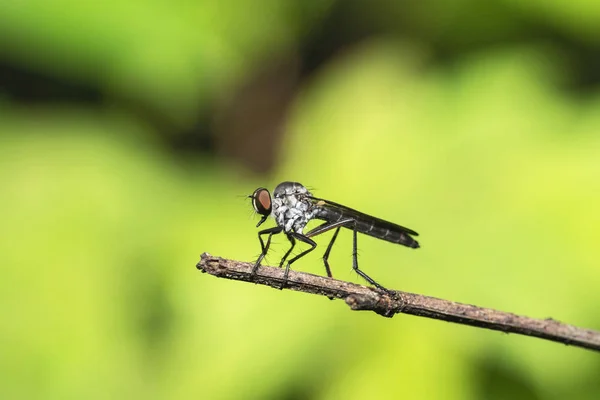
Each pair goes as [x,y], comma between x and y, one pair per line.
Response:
[261,201]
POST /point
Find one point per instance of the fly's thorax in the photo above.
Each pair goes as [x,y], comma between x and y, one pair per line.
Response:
[290,188]
[292,208]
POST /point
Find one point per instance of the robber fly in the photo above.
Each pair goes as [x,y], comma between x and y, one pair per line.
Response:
[293,206]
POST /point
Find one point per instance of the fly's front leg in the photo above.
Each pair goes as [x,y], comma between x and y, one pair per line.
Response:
[265,248]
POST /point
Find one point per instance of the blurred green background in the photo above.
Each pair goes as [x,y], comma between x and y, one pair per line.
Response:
[131,132]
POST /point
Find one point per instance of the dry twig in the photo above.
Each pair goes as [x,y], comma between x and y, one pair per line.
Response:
[360,297]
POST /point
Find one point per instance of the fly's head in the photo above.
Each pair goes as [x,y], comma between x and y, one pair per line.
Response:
[261,202]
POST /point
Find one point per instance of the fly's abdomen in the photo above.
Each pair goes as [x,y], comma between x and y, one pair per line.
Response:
[387,233]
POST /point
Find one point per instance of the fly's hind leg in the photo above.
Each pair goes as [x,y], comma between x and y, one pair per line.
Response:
[355,264]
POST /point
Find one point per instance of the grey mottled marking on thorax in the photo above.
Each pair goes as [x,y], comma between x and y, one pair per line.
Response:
[291,208]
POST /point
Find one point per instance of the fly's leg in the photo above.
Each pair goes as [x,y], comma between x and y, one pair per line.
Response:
[327,226]
[265,248]
[326,255]
[302,238]
[355,263]
[287,253]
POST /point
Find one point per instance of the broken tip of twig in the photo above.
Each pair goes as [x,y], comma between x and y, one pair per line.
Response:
[358,297]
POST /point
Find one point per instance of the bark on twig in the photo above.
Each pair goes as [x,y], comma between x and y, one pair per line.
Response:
[360,297]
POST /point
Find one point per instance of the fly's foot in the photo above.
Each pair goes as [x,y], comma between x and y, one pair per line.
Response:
[285,277]
[255,269]
[392,293]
